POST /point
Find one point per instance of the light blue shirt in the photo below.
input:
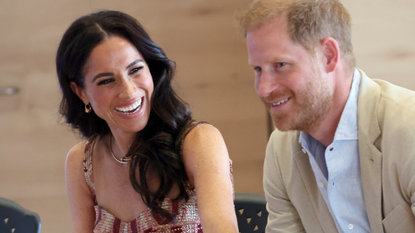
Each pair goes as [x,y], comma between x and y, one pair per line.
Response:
[337,168]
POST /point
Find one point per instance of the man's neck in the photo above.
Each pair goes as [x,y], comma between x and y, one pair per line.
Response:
[325,129]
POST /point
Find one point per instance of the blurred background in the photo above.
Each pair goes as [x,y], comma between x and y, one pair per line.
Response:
[212,76]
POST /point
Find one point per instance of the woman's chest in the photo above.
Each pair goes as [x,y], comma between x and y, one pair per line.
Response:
[115,192]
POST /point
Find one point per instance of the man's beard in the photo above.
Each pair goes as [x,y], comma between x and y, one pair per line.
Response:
[309,105]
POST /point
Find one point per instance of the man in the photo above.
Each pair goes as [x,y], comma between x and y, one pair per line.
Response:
[343,157]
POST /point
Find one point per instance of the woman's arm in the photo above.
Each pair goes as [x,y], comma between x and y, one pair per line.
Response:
[207,164]
[81,200]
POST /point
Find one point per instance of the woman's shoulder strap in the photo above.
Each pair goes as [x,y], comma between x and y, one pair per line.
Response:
[88,171]
[192,126]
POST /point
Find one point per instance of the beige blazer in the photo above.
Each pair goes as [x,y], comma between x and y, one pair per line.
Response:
[386,121]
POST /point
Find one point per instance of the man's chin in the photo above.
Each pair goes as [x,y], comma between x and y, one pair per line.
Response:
[282,124]
[284,129]
[291,123]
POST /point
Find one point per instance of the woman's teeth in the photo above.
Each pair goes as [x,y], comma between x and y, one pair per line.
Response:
[281,102]
[130,109]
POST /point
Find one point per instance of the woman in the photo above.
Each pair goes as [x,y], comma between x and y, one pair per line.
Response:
[145,165]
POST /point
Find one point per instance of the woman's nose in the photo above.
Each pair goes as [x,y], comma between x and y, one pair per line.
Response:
[128,89]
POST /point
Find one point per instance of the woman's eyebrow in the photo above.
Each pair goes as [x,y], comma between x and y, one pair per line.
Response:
[134,62]
[101,75]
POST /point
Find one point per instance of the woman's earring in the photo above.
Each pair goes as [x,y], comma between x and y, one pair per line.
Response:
[88,108]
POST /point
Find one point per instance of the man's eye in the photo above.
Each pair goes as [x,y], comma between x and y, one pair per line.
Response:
[134,70]
[105,81]
[258,69]
[281,64]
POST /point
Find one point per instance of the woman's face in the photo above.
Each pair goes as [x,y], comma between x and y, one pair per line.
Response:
[118,85]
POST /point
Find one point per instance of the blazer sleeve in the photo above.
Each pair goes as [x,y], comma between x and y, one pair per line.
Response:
[283,216]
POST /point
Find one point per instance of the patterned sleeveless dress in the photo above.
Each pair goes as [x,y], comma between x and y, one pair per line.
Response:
[186,214]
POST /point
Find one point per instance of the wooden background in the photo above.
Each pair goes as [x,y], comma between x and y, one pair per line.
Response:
[212,76]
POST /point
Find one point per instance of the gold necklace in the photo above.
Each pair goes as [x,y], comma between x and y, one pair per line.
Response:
[123,160]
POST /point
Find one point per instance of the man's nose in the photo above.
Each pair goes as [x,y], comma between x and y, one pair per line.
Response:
[265,85]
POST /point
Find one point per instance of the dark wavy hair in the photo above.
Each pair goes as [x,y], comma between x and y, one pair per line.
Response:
[157,146]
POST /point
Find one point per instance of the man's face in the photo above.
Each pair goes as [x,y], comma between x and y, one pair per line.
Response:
[288,79]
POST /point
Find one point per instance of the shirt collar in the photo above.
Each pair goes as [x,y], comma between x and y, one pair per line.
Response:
[347,127]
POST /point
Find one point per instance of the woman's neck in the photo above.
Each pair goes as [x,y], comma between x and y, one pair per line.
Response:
[122,142]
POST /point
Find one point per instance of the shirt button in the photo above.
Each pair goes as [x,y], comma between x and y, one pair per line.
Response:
[321,185]
[331,149]
[350,226]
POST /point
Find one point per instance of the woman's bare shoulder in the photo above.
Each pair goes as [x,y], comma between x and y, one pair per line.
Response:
[202,131]
[76,154]
[203,146]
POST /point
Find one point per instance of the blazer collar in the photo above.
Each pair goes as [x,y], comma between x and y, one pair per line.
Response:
[370,155]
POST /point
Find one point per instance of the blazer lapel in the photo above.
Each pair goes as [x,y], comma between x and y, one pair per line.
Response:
[307,175]
[370,156]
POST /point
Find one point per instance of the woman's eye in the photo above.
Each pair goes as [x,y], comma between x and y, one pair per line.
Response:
[105,81]
[134,70]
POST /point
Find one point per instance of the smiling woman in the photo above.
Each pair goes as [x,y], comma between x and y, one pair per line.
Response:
[145,165]
[118,87]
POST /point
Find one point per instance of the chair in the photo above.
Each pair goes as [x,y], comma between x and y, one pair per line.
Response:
[15,218]
[251,212]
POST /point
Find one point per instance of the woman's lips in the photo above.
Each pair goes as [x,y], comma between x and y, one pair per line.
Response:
[133,108]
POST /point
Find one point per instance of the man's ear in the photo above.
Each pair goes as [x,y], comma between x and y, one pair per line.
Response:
[331,53]
[79,92]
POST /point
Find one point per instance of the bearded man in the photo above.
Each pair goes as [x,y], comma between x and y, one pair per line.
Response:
[343,155]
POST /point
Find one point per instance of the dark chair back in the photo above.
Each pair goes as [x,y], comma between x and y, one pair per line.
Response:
[15,218]
[251,212]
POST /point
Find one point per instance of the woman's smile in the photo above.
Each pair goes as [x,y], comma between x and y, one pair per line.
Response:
[133,108]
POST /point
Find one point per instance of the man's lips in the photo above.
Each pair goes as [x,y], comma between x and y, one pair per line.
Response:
[275,104]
